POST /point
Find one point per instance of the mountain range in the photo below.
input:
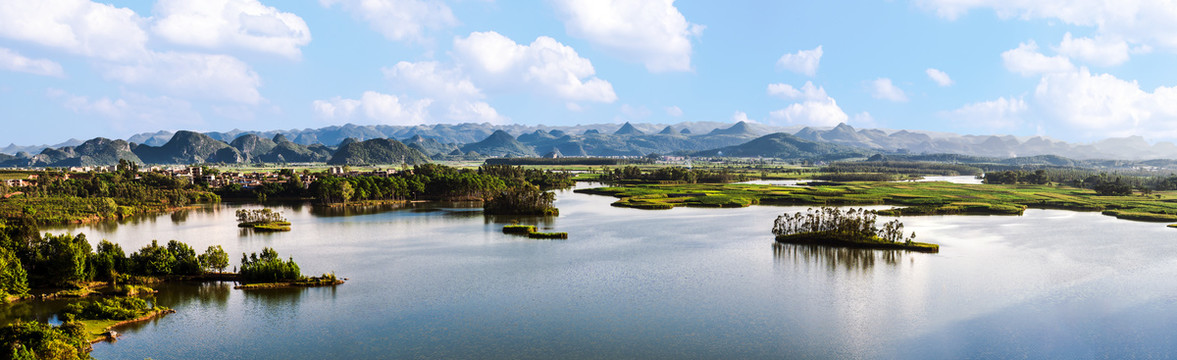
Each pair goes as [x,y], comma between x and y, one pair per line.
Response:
[353,144]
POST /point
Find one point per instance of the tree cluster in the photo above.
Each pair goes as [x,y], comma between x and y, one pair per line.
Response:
[858,224]
[268,267]
[669,174]
[522,200]
[259,216]
[32,260]
[38,340]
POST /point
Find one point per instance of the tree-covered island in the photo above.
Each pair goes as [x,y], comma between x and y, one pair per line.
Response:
[849,228]
[262,220]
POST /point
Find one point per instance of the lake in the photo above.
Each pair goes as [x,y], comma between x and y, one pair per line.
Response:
[441,280]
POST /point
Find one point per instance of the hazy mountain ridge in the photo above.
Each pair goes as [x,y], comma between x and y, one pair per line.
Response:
[471,141]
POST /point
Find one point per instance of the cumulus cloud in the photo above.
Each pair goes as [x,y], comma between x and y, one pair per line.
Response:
[1135,21]
[740,116]
[941,78]
[433,78]
[379,107]
[13,61]
[76,26]
[1027,61]
[882,88]
[475,111]
[132,110]
[673,111]
[1002,113]
[399,20]
[218,77]
[651,32]
[803,62]
[239,24]
[1099,51]
[1103,104]
[545,66]
[784,91]
[816,108]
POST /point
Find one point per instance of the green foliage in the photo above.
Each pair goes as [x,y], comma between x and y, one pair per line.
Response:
[153,260]
[13,278]
[518,229]
[124,308]
[108,261]
[37,340]
[214,258]
[87,197]
[878,166]
[268,267]
[186,263]
[522,200]
[64,258]
[548,235]
[673,174]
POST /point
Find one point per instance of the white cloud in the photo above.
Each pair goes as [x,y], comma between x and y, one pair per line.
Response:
[803,62]
[132,110]
[816,108]
[1002,113]
[545,67]
[882,88]
[383,108]
[335,108]
[399,20]
[475,111]
[807,91]
[240,24]
[652,32]
[674,111]
[863,119]
[784,91]
[1101,104]
[430,77]
[740,116]
[1135,21]
[1027,61]
[941,78]
[219,77]
[1100,51]
[13,61]
[75,26]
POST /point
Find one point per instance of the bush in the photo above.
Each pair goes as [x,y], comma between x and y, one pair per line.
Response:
[107,309]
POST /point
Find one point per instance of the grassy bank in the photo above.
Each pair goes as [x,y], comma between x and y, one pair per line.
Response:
[266,225]
[910,198]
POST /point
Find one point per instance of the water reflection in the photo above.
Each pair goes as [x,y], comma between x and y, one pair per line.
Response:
[182,294]
[834,258]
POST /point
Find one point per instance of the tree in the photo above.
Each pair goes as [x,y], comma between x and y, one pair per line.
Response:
[186,263]
[37,340]
[13,278]
[65,258]
[108,261]
[214,258]
[346,191]
[153,260]
[268,267]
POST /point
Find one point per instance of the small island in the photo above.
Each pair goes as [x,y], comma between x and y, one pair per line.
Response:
[269,271]
[531,232]
[262,220]
[851,228]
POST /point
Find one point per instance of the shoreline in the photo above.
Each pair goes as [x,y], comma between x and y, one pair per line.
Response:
[832,240]
[109,335]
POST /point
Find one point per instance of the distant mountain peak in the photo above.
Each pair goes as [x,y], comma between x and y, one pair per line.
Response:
[667,131]
[628,129]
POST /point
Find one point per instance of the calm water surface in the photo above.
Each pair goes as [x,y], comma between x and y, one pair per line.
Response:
[442,281]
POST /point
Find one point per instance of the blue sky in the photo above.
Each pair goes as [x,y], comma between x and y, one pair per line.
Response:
[1078,70]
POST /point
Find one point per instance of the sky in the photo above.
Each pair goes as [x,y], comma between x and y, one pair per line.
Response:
[1078,70]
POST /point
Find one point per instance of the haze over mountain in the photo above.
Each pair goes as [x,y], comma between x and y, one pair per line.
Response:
[473,141]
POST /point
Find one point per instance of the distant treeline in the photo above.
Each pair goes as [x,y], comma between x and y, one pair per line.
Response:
[902,167]
[1116,183]
[60,197]
[669,174]
[556,161]
[424,182]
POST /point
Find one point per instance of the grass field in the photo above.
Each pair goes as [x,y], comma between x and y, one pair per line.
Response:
[910,198]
